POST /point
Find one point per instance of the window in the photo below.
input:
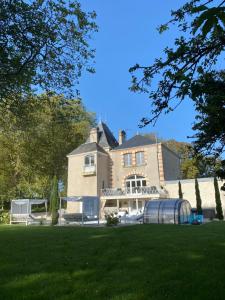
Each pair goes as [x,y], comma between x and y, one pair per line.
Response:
[135,184]
[139,156]
[89,160]
[127,159]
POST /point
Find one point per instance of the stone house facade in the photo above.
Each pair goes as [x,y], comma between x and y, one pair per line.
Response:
[123,173]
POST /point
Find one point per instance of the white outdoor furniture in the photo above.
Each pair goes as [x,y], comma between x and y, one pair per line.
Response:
[21,211]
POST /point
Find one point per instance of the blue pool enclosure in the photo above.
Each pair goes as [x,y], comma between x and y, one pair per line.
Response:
[167,211]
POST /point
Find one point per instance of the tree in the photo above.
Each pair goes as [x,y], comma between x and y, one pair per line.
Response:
[198,198]
[219,210]
[54,201]
[44,43]
[34,143]
[191,70]
[180,190]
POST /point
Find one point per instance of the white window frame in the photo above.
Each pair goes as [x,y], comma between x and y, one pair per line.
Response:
[91,160]
[128,162]
[135,184]
[139,158]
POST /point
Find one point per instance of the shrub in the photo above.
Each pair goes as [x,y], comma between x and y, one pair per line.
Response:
[4,217]
[219,210]
[180,193]
[198,198]
[111,220]
[54,201]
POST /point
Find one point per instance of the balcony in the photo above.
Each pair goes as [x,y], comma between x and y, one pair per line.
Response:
[136,192]
[89,170]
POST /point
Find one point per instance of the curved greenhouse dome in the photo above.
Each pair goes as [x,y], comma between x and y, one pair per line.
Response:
[167,211]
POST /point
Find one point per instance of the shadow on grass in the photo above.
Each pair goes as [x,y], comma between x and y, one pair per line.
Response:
[132,263]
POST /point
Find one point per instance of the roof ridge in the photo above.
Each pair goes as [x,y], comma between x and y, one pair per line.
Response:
[135,141]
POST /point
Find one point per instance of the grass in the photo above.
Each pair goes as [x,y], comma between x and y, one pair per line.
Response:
[129,263]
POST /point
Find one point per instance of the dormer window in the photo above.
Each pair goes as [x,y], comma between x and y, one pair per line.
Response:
[127,159]
[89,160]
[139,157]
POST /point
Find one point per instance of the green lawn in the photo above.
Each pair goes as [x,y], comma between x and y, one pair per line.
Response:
[132,263]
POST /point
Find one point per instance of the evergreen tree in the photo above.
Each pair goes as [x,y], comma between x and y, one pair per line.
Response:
[198,198]
[180,190]
[219,210]
[54,201]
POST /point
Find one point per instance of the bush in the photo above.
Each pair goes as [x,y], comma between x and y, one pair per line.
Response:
[111,220]
[198,198]
[180,193]
[219,210]
[54,201]
[4,217]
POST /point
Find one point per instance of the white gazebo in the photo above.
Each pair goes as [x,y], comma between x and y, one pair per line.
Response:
[21,211]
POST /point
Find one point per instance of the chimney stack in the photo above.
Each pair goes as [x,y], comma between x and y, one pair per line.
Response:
[94,135]
[122,137]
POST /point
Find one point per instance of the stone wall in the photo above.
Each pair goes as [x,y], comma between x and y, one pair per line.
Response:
[171,164]
[149,170]
[79,185]
[206,187]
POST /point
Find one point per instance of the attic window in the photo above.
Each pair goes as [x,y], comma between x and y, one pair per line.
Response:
[89,160]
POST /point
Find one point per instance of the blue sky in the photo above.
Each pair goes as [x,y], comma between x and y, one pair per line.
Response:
[127,35]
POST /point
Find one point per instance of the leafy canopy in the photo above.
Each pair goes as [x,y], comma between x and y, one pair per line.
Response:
[191,69]
[35,142]
[44,43]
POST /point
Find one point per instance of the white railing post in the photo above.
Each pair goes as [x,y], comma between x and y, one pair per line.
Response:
[144,190]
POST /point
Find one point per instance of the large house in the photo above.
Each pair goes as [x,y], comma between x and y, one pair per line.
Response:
[122,173]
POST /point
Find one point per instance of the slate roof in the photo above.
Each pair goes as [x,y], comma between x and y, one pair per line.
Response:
[106,138]
[89,147]
[137,140]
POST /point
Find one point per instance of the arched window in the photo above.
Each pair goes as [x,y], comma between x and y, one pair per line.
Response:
[135,183]
[89,160]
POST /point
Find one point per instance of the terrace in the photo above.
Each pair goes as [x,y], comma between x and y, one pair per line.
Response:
[136,192]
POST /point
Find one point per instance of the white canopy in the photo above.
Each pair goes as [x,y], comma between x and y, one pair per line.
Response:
[29,201]
[21,211]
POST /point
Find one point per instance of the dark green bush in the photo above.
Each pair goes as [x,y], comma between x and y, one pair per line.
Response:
[219,210]
[54,201]
[111,220]
[4,217]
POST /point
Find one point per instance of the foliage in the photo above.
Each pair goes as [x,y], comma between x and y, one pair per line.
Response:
[191,69]
[198,198]
[219,210]
[4,217]
[111,220]
[54,201]
[180,190]
[44,43]
[34,143]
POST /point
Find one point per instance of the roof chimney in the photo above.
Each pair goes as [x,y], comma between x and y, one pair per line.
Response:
[94,136]
[122,137]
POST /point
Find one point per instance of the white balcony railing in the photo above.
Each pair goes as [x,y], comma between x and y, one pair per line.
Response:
[89,170]
[131,191]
